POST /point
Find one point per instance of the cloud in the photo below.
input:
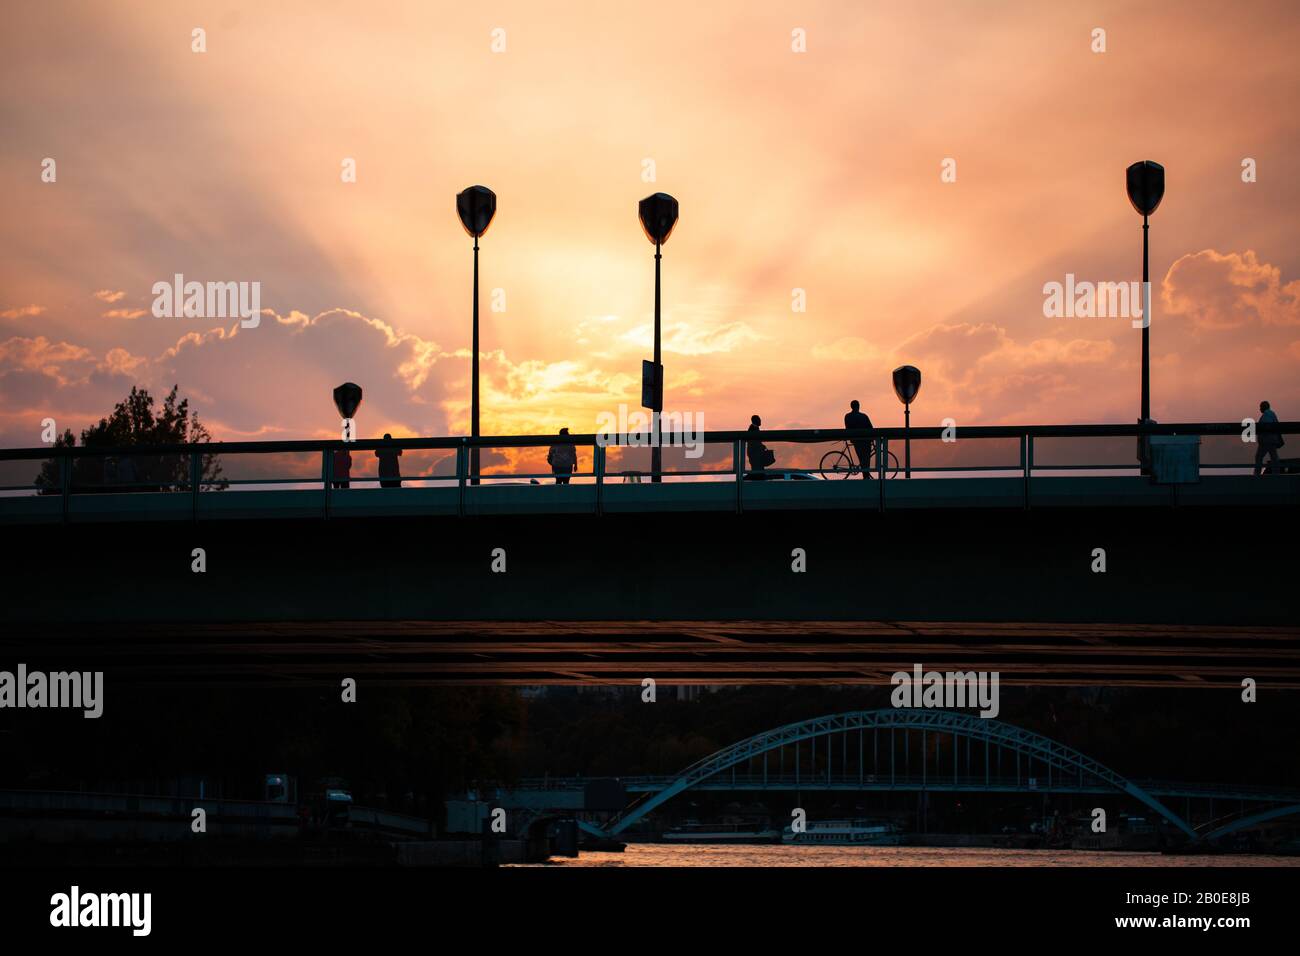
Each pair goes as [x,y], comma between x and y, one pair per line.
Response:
[965,348]
[109,296]
[121,362]
[124,313]
[1229,290]
[957,347]
[271,381]
[62,361]
[683,338]
[275,381]
[595,325]
[537,397]
[22,311]
[981,372]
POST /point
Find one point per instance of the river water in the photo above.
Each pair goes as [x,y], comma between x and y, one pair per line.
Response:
[661,854]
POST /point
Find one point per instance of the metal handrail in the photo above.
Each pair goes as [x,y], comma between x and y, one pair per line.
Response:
[667,439]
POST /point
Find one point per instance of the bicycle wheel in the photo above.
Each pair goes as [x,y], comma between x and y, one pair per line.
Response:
[837,464]
[891,467]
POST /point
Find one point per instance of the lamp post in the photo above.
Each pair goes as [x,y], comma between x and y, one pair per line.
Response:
[476,206]
[907,382]
[658,214]
[347,399]
[1146,187]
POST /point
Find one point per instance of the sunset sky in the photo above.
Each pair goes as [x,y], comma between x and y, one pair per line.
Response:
[817,171]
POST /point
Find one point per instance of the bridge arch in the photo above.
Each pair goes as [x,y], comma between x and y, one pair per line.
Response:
[1246,821]
[990,732]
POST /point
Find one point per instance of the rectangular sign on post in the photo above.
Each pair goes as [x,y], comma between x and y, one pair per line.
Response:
[652,385]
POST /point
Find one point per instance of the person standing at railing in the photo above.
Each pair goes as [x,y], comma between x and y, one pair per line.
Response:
[760,456]
[342,468]
[563,459]
[1269,443]
[855,418]
[390,474]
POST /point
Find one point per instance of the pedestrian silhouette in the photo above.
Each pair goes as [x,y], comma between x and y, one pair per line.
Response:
[390,475]
[859,419]
[563,459]
[760,456]
[1269,443]
[342,468]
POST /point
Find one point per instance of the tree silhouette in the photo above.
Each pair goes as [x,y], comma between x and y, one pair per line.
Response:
[134,422]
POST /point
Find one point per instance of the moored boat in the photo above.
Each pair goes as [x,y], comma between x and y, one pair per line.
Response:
[693,832]
[845,833]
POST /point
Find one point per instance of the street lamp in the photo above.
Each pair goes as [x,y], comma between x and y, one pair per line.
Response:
[907,382]
[658,215]
[1146,187]
[347,399]
[476,206]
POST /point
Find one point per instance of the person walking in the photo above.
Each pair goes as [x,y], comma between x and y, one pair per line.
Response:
[855,418]
[390,474]
[563,459]
[1269,443]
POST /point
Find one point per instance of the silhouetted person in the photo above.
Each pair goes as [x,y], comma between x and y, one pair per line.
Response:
[390,475]
[563,459]
[342,468]
[859,419]
[759,454]
[1267,444]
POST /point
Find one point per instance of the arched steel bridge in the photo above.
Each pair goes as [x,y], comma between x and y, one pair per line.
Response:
[1066,769]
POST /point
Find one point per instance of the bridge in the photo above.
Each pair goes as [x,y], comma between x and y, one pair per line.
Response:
[985,558]
[980,754]
[1045,466]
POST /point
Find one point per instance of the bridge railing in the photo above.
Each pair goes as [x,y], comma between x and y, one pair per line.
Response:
[447,464]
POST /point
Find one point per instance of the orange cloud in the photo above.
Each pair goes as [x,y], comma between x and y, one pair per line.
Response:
[22,311]
[121,362]
[58,360]
[684,338]
[1228,290]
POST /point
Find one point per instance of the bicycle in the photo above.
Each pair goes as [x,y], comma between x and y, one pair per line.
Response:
[840,463]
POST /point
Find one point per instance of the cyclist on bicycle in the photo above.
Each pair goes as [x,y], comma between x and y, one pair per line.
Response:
[859,419]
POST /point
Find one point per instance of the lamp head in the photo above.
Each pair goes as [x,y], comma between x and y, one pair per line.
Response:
[476,206]
[658,217]
[347,399]
[907,382]
[1146,186]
